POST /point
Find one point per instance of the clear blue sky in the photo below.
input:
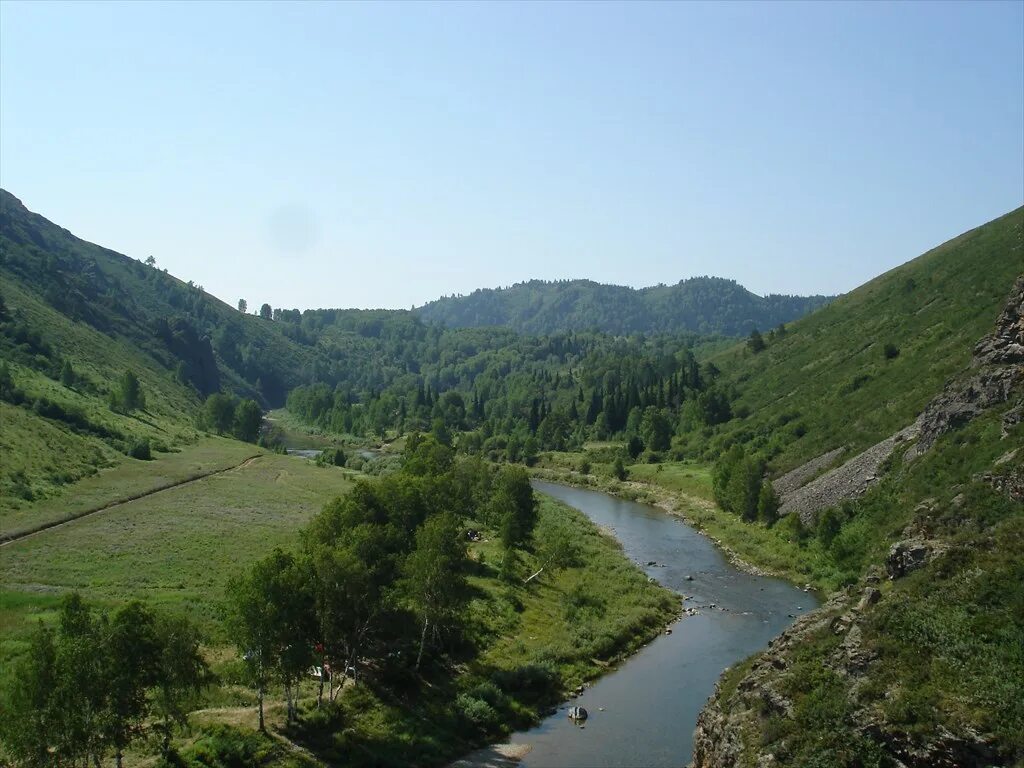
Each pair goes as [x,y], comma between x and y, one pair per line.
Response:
[338,154]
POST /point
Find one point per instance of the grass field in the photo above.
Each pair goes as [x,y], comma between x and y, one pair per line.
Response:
[174,549]
[128,479]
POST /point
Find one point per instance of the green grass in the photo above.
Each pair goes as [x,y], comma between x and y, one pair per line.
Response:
[828,383]
[692,480]
[295,434]
[178,548]
[175,549]
[621,606]
[126,479]
[945,643]
[42,456]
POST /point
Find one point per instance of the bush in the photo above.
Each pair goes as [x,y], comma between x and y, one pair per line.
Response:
[618,470]
[477,712]
[140,449]
[224,747]
[331,457]
[530,682]
[891,351]
[829,525]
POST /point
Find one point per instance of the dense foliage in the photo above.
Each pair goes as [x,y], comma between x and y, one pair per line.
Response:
[508,396]
[707,305]
[90,687]
[382,575]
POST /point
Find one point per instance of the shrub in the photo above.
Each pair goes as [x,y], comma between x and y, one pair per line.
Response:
[477,712]
[140,449]
[331,457]
[891,351]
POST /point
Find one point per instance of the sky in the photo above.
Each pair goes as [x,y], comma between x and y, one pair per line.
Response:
[382,155]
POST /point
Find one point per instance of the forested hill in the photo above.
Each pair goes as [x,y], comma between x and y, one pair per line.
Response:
[707,305]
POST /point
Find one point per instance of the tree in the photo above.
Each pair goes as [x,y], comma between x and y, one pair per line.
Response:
[767,504]
[87,686]
[348,598]
[656,429]
[745,488]
[736,483]
[619,470]
[218,413]
[829,525]
[634,446]
[150,261]
[67,375]
[30,728]
[181,673]
[7,386]
[81,688]
[554,431]
[755,343]
[243,306]
[128,396]
[272,623]
[248,418]
[266,312]
[513,507]
[132,657]
[251,627]
[556,546]
[435,582]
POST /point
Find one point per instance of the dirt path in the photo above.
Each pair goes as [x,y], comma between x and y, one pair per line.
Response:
[9,539]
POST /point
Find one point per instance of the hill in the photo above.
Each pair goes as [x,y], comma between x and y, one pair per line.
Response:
[871,451]
[705,305]
[890,421]
[863,367]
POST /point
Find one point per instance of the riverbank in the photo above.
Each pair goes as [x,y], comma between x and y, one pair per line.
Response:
[752,548]
[528,646]
[643,712]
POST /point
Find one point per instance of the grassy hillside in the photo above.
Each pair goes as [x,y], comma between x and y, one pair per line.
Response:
[828,381]
[206,343]
[707,305]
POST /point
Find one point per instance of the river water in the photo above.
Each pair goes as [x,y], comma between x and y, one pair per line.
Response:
[650,703]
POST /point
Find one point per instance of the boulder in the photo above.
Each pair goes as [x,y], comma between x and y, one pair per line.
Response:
[870,597]
[907,556]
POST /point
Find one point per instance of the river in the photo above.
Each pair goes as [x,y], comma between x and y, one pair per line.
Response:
[644,713]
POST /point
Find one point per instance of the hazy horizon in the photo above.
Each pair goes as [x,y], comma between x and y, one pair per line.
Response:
[383,156]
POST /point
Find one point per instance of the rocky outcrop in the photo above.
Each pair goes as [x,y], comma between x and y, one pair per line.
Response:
[848,481]
[800,476]
[722,738]
[1005,345]
[1010,482]
[998,364]
[718,739]
[910,554]
[732,729]
[997,372]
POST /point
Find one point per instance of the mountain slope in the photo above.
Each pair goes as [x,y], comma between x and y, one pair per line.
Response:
[707,305]
[863,367]
[917,659]
[175,323]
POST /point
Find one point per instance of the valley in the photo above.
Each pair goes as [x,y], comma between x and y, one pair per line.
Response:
[145,435]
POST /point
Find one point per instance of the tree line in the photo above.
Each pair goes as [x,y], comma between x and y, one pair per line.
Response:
[379,585]
[536,394]
[96,682]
